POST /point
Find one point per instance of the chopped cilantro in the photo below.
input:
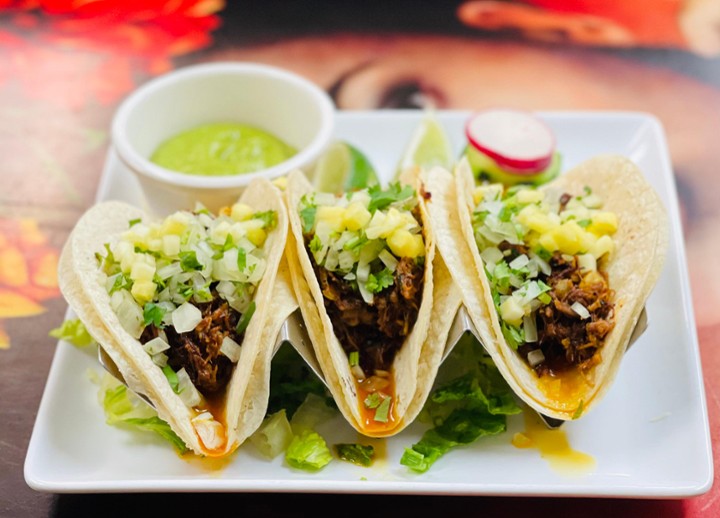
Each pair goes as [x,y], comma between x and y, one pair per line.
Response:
[189,262]
[268,217]
[134,222]
[584,223]
[245,319]
[379,281]
[354,358]
[242,259]
[153,314]
[172,378]
[355,243]
[121,283]
[380,199]
[307,215]
[315,244]
[478,217]
[587,190]
[514,336]
[381,414]
[372,401]
[225,247]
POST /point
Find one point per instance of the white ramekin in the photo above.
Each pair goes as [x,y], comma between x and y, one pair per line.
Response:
[290,107]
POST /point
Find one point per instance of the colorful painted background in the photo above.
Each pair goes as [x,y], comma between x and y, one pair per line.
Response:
[66,64]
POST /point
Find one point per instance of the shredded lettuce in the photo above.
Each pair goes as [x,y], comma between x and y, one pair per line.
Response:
[73,331]
[470,405]
[274,435]
[124,409]
[308,451]
[358,454]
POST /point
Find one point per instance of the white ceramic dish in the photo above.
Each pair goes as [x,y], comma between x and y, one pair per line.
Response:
[275,100]
[649,435]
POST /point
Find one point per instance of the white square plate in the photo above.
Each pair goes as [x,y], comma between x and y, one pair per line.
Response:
[649,435]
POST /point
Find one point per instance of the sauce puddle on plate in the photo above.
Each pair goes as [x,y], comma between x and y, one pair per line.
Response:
[554,447]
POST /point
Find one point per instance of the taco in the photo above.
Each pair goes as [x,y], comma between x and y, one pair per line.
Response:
[554,278]
[183,307]
[366,280]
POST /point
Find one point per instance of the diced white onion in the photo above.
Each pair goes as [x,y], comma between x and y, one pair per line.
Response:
[155,346]
[530,328]
[535,357]
[491,255]
[388,260]
[186,317]
[160,359]
[170,270]
[231,349]
[542,264]
[129,312]
[357,372]
[519,262]
[587,262]
[186,390]
[581,310]
[211,433]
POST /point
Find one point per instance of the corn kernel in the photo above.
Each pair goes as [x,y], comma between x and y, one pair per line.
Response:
[143,291]
[171,245]
[547,241]
[530,196]
[141,271]
[241,212]
[174,224]
[356,216]
[404,244]
[333,216]
[567,237]
[256,236]
[511,311]
[603,223]
[604,245]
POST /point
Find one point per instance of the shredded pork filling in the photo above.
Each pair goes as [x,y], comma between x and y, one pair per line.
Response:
[198,351]
[375,331]
[565,338]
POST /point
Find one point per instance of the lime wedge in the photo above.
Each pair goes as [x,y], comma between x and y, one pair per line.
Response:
[428,147]
[343,168]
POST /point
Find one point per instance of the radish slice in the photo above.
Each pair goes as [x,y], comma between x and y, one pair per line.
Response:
[517,140]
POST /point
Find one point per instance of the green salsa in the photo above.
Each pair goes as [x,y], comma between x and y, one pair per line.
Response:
[222,149]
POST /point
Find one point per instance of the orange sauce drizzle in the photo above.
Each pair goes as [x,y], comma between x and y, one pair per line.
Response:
[554,447]
[367,415]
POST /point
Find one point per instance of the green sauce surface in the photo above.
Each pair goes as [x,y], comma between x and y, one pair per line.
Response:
[220,149]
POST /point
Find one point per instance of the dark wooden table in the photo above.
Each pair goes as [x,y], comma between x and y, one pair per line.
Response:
[64,68]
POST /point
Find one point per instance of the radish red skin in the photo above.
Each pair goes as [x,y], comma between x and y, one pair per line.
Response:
[517,166]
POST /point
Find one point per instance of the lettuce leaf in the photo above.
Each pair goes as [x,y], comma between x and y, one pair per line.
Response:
[308,451]
[274,435]
[125,410]
[73,331]
[471,405]
[358,454]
